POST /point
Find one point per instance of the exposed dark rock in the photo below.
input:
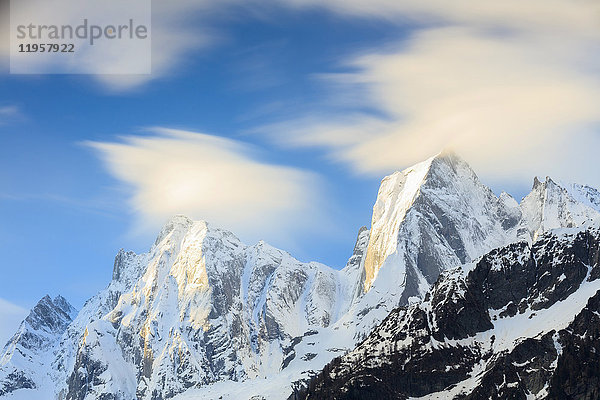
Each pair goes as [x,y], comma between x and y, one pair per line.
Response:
[431,347]
[577,375]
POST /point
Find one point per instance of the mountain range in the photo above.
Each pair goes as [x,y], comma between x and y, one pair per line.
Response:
[453,292]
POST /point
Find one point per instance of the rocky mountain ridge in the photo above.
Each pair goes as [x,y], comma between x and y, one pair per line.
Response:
[204,315]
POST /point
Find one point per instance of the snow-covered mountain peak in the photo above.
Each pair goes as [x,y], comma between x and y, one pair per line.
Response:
[551,205]
[65,306]
[25,356]
[178,224]
[50,315]
[537,183]
[507,199]
[440,200]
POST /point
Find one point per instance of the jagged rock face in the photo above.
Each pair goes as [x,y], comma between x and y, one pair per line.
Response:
[26,354]
[523,323]
[550,271]
[431,217]
[355,267]
[199,307]
[577,375]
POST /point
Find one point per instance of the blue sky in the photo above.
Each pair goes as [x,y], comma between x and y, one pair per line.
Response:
[64,216]
[301,108]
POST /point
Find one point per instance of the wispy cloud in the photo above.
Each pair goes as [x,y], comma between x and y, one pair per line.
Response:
[208,177]
[500,82]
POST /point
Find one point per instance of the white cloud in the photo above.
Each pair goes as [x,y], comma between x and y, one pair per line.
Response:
[513,87]
[11,317]
[216,179]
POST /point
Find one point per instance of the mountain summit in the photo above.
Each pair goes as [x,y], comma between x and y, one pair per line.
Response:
[27,353]
[432,216]
[550,206]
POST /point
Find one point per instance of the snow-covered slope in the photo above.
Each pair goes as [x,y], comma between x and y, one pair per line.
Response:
[27,355]
[585,194]
[523,323]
